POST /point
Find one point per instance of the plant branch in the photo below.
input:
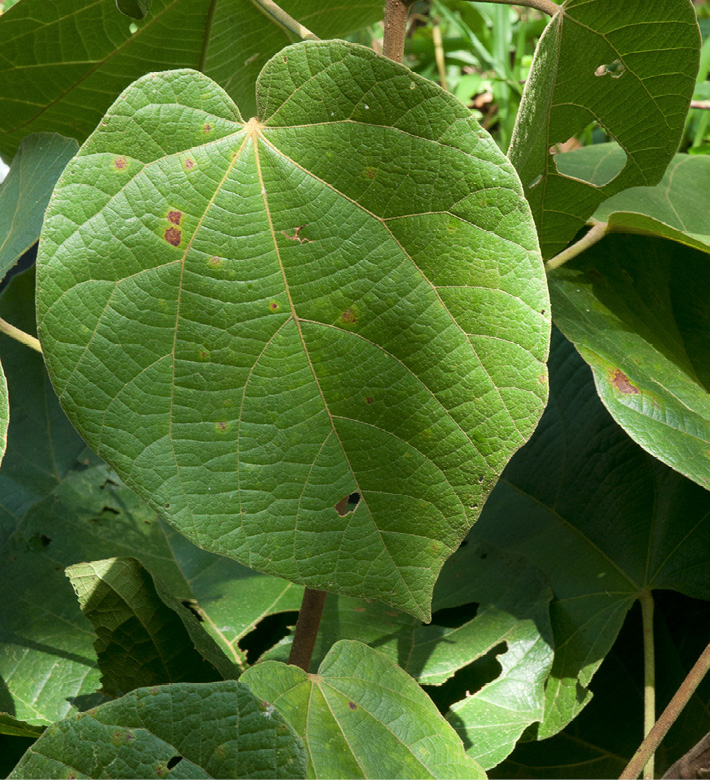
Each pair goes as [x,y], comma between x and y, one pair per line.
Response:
[20,335]
[649,675]
[695,763]
[288,23]
[668,717]
[396,13]
[304,639]
[545,6]
[594,234]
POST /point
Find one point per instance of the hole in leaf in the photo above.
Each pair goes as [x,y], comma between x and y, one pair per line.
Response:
[614,69]
[347,504]
[110,510]
[192,606]
[468,680]
[454,617]
[268,632]
[174,761]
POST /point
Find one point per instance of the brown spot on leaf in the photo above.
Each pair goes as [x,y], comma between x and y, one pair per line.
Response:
[189,163]
[348,316]
[174,217]
[368,399]
[120,163]
[216,262]
[221,426]
[621,382]
[273,306]
[371,173]
[173,236]
[352,705]
[207,127]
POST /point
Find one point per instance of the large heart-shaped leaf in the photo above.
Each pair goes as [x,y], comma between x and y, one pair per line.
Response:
[24,194]
[602,519]
[636,308]
[362,716]
[630,67]
[64,62]
[311,341]
[185,730]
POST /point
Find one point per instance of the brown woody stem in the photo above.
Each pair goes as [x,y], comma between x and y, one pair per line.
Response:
[682,696]
[304,639]
[396,13]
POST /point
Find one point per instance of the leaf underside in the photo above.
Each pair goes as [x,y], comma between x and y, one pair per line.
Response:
[310,341]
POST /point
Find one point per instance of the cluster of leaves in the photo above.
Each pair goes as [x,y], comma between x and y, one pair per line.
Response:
[309,345]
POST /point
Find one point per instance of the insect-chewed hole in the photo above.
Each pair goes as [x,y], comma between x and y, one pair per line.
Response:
[347,504]
[174,761]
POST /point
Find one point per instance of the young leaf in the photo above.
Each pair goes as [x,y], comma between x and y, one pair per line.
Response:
[145,636]
[636,308]
[602,520]
[313,339]
[360,700]
[185,730]
[24,194]
[64,62]
[630,67]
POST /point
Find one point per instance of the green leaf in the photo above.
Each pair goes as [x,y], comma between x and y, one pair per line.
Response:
[358,701]
[636,308]
[603,521]
[512,602]
[24,194]
[4,413]
[136,9]
[56,511]
[673,209]
[323,323]
[17,728]
[630,67]
[185,730]
[145,636]
[65,62]
[603,739]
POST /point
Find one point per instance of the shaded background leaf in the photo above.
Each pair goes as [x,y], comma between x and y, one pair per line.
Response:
[636,308]
[58,508]
[602,740]
[213,730]
[602,520]
[630,67]
[65,62]
[349,330]
[24,194]
[145,636]
[360,699]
